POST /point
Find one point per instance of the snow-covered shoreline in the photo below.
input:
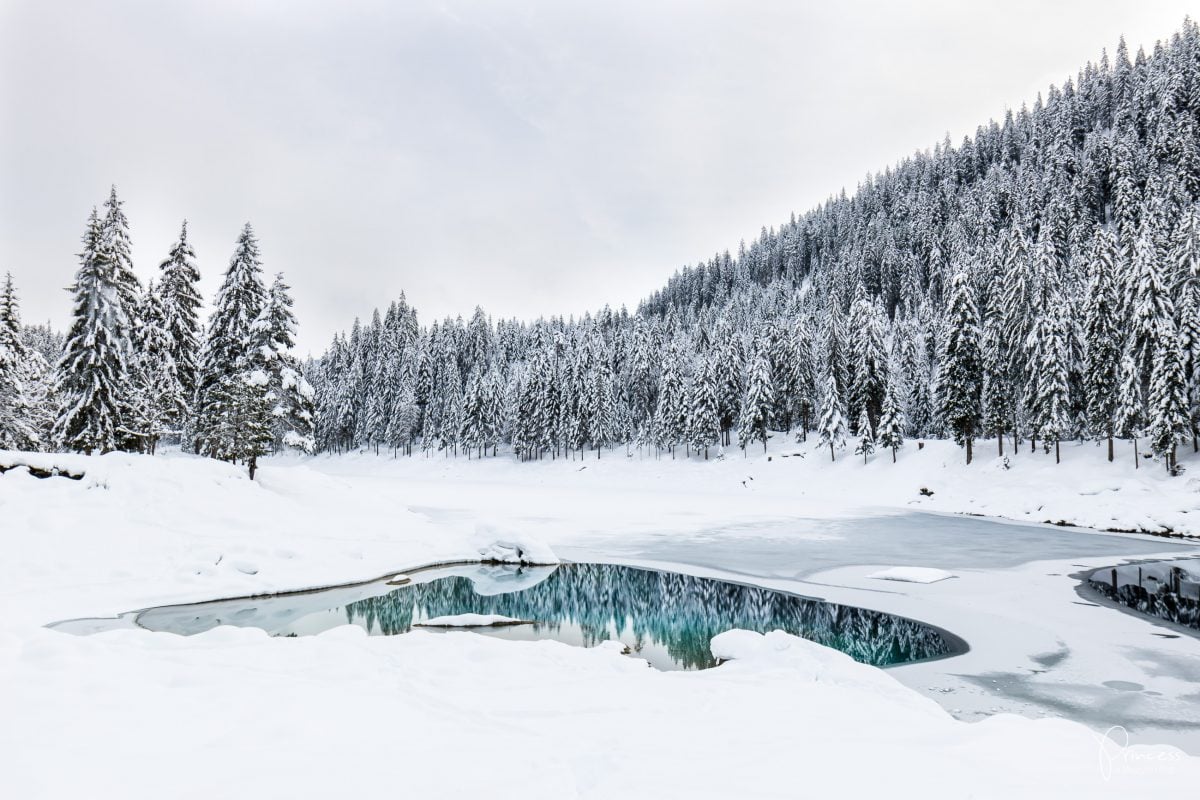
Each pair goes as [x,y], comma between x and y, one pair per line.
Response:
[140,531]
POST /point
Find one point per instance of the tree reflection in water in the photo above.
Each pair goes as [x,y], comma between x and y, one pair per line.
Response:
[677,613]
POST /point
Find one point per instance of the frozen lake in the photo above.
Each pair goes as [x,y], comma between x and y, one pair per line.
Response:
[797,548]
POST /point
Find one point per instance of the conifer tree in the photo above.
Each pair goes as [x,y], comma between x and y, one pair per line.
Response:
[1131,404]
[1102,345]
[866,436]
[1048,391]
[891,422]
[671,414]
[289,394]
[157,399]
[958,382]
[181,303]
[1168,422]
[115,244]
[19,417]
[231,401]
[997,392]
[831,429]
[868,358]
[756,406]
[705,417]
[92,380]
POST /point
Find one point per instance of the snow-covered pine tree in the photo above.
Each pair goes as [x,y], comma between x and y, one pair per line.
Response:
[802,379]
[471,430]
[1131,404]
[831,429]
[224,396]
[451,405]
[244,422]
[891,421]
[157,400]
[494,409]
[958,381]
[672,402]
[997,393]
[290,396]
[705,417]
[601,398]
[1017,302]
[1185,253]
[1149,302]
[756,405]
[1169,423]
[19,417]
[866,436]
[1102,340]
[114,241]
[92,377]
[730,381]
[181,303]
[867,357]
[1048,392]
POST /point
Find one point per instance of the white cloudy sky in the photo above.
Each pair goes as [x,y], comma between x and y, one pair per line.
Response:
[532,157]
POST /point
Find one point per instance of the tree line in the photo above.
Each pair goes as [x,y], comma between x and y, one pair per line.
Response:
[137,366]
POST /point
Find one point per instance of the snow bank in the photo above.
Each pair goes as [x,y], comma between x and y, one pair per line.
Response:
[786,716]
[471,621]
[912,574]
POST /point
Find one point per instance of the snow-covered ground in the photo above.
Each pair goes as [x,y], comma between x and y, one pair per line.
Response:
[235,713]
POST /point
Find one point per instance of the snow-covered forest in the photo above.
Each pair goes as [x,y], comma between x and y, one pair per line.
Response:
[1038,282]
[136,365]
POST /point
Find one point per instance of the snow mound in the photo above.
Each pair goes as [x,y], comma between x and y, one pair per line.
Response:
[471,621]
[808,661]
[912,574]
[514,548]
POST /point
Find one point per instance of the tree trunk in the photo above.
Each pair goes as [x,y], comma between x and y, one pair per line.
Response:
[1057,454]
[253,466]
[968,449]
[893,455]
[1110,444]
[1000,442]
[832,457]
[1136,460]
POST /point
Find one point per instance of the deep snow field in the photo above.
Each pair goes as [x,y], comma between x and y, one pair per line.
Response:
[235,713]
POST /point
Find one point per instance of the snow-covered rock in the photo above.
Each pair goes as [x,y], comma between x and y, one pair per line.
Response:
[471,621]
[514,548]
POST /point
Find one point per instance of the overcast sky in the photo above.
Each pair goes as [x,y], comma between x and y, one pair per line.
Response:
[533,158]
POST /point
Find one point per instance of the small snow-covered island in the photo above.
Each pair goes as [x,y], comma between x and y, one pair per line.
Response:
[898,497]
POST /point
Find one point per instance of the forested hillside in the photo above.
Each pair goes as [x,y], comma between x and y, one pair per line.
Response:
[1037,281]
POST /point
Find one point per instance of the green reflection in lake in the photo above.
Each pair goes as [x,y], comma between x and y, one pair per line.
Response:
[666,617]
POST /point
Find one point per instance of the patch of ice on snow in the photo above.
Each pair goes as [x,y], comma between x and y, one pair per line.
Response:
[912,574]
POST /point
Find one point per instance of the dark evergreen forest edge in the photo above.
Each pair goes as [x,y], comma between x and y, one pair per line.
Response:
[1039,282]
